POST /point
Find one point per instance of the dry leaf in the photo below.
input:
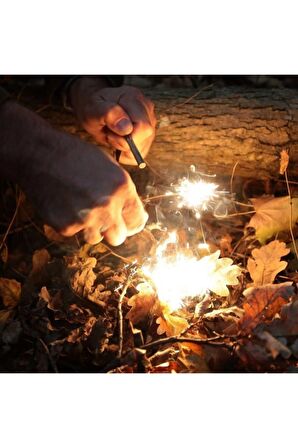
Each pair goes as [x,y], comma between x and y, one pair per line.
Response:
[275,347]
[253,355]
[191,358]
[287,324]
[225,313]
[52,235]
[4,253]
[266,263]
[40,259]
[202,306]
[54,302]
[83,277]
[143,304]
[221,273]
[272,216]
[10,292]
[171,325]
[284,161]
[4,318]
[264,301]
[225,245]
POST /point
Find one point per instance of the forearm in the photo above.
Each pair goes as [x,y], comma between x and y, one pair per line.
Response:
[20,129]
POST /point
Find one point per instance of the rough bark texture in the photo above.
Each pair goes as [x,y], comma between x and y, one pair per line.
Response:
[215,129]
[219,128]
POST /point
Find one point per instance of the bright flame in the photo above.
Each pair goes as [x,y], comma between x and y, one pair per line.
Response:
[196,195]
[177,276]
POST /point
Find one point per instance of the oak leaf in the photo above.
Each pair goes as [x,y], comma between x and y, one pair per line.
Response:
[83,277]
[143,304]
[273,216]
[171,325]
[220,273]
[266,264]
[10,292]
[225,313]
[264,302]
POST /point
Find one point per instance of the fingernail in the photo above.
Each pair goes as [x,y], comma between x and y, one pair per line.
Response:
[123,125]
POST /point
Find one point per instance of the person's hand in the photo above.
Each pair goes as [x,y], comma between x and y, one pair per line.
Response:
[74,185]
[110,113]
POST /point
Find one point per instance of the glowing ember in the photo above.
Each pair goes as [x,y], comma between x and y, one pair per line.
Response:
[177,276]
[196,195]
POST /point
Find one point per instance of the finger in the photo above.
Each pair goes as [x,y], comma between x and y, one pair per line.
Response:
[92,235]
[135,109]
[117,120]
[143,125]
[117,233]
[134,215]
[143,136]
[116,141]
[71,230]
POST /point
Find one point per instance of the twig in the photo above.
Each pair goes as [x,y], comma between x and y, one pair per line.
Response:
[173,339]
[129,359]
[234,214]
[11,222]
[115,254]
[232,177]
[120,315]
[187,100]
[242,203]
[52,362]
[291,214]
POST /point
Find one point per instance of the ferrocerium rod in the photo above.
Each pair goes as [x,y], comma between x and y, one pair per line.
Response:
[136,153]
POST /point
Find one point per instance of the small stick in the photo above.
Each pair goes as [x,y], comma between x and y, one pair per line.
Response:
[11,222]
[120,316]
[52,362]
[173,339]
[291,214]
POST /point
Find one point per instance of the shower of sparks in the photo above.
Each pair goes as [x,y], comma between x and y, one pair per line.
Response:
[196,195]
[177,276]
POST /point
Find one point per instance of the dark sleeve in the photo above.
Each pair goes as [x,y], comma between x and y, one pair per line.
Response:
[63,90]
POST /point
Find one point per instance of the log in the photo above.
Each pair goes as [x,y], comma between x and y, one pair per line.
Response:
[217,128]
[222,127]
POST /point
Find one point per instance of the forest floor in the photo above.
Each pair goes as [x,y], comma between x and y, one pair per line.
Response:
[70,307]
[66,306]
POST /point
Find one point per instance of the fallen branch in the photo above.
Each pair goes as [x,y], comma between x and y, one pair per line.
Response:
[174,339]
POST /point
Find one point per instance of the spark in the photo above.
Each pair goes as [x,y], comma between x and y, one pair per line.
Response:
[196,195]
[204,246]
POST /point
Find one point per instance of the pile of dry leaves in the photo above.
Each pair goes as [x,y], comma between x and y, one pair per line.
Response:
[70,307]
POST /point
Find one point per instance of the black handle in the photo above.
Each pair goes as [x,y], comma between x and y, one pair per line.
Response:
[136,153]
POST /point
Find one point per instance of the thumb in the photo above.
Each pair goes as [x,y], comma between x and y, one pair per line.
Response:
[118,121]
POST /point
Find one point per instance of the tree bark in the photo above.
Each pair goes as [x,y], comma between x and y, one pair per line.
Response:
[219,130]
